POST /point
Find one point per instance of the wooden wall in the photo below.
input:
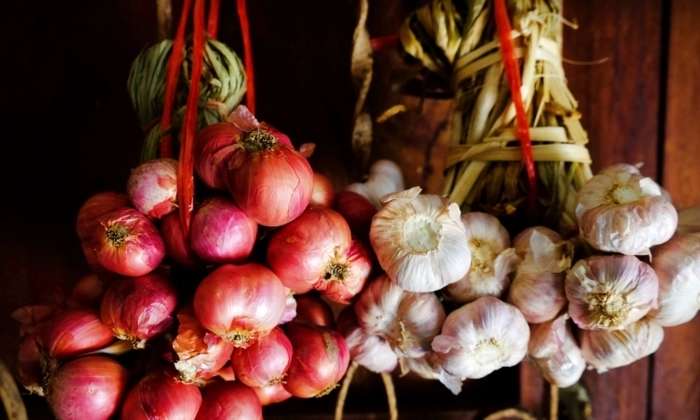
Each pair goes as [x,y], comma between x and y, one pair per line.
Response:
[68,131]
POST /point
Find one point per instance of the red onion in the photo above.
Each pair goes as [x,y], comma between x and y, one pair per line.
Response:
[229,400]
[29,366]
[310,248]
[177,248]
[95,207]
[319,361]
[201,354]
[240,303]
[357,210]
[139,308]
[160,396]
[270,181]
[89,387]
[349,275]
[265,361]
[272,394]
[370,351]
[127,243]
[313,310]
[323,193]
[222,233]
[89,290]
[73,332]
[152,187]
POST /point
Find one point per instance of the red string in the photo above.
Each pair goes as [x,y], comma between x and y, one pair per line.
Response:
[174,63]
[248,49]
[213,21]
[384,43]
[185,178]
[512,68]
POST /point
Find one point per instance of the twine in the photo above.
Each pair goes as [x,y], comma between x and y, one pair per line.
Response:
[388,387]
[11,399]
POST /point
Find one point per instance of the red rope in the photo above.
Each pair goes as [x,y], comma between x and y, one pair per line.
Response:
[185,178]
[174,63]
[213,21]
[248,49]
[384,43]
[512,68]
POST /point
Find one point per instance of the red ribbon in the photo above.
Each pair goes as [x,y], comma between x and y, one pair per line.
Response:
[384,43]
[213,21]
[248,49]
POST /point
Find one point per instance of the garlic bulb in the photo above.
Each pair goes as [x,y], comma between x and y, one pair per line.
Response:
[428,367]
[492,260]
[620,211]
[553,349]
[538,287]
[606,350]
[370,351]
[610,292]
[481,337]
[385,177]
[420,241]
[677,265]
[407,320]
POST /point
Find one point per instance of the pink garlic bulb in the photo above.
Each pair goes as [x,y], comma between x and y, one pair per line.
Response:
[553,349]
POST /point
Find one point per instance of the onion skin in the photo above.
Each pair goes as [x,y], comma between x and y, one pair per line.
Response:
[222,233]
[152,187]
[29,366]
[88,387]
[95,207]
[265,362]
[357,211]
[356,267]
[229,400]
[127,243]
[309,248]
[272,394]
[159,395]
[319,361]
[177,248]
[312,309]
[73,332]
[139,308]
[323,193]
[240,303]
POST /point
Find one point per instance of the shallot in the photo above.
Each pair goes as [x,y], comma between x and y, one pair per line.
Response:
[152,187]
[265,361]
[229,400]
[160,395]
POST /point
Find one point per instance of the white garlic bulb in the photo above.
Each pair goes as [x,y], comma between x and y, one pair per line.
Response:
[677,265]
[384,178]
[553,349]
[408,321]
[610,291]
[481,337]
[420,241]
[621,211]
[605,350]
[492,260]
[538,287]
[369,350]
[428,367]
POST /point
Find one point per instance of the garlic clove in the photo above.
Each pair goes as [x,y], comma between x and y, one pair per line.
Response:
[420,241]
[481,337]
[605,350]
[677,265]
[610,292]
[492,260]
[624,212]
[553,349]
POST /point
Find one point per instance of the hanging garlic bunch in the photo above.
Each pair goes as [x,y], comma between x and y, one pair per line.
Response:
[420,241]
[369,350]
[553,349]
[481,337]
[408,321]
[605,350]
[622,211]
[428,367]
[677,265]
[492,260]
[538,287]
[610,292]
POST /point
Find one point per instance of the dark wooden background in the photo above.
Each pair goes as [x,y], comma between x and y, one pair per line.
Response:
[67,131]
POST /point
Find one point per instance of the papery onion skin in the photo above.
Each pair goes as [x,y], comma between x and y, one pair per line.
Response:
[212,149]
[348,275]
[309,248]
[323,193]
[89,387]
[127,243]
[73,332]
[222,233]
[29,366]
[152,187]
[265,362]
[139,308]
[89,290]
[95,207]
[177,248]
[270,181]
[290,307]
[320,359]
[312,309]
[357,211]
[272,394]
[370,351]
[240,303]
[160,395]
[229,400]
